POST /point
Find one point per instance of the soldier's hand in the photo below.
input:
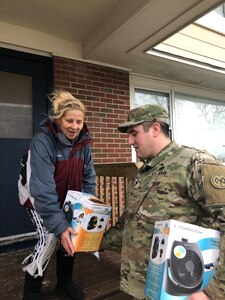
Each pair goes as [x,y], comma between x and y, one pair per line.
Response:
[199,296]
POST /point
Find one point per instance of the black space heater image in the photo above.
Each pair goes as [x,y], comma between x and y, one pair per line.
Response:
[92,223]
[155,247]
[68,210]
[184,274]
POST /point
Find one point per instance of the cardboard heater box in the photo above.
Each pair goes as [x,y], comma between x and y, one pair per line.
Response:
[183,258]
[88,216]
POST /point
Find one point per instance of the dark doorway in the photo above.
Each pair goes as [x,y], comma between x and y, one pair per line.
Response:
[25,81]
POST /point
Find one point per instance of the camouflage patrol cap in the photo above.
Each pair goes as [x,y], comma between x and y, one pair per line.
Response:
[147,112]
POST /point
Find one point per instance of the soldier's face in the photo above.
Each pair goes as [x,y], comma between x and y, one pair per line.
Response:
[142,141]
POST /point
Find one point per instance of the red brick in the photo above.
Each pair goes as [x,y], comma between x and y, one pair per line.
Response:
[105,93]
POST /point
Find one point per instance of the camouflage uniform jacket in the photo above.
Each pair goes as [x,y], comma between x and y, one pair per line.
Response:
[170,186]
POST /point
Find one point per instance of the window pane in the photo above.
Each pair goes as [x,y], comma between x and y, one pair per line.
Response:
[200,123]
[15,106]
[151,97]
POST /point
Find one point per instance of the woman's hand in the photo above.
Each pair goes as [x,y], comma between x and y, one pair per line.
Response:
[199,296]
[66,240]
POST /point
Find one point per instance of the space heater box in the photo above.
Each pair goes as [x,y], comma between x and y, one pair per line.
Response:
[88,216]
[183,260]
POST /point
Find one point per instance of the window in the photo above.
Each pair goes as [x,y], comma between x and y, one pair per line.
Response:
[200,123]
[151,97]
[195,121]
[15,106]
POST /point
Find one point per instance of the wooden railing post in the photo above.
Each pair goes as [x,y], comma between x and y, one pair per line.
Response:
[111,185]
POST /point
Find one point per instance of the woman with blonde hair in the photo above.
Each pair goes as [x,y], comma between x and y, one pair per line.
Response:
[59,159]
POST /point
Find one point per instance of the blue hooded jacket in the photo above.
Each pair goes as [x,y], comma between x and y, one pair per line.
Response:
[58,165]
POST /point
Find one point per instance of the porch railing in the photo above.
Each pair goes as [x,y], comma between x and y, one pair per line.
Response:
[111,185]
[112,181]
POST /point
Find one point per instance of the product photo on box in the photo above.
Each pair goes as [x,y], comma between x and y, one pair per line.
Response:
[88,216]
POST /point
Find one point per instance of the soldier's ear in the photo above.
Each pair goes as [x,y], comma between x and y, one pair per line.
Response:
[156,128]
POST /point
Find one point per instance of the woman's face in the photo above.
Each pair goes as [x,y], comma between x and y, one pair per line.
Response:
[71,123]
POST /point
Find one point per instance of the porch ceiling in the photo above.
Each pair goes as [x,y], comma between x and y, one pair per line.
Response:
[118,32]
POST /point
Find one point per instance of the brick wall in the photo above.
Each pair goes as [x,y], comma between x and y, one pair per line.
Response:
[105,93]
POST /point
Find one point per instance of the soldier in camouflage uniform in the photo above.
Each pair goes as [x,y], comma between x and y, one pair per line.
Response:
[175,182]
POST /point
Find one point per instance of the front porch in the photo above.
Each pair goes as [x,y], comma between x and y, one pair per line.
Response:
[98,278]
